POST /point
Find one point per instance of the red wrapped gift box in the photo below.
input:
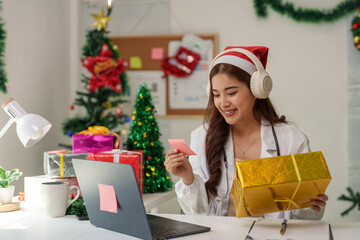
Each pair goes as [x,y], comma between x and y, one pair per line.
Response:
[134,158]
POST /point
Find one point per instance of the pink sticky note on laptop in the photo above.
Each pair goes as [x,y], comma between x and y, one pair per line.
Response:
[181,146]
[108,201]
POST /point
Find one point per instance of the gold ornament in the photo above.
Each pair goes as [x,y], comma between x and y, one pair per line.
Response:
[107,105]
[148,109]
[139,123]
[100,20]
[134,112]
[124,132]
[144,134]
[356,39]
[141,97]
[133,117]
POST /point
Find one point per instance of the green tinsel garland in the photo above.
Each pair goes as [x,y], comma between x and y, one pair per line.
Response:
[305,14]
[77,208]
[3,78]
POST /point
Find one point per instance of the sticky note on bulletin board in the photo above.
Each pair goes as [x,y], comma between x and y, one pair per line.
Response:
[157,53]
[135,62]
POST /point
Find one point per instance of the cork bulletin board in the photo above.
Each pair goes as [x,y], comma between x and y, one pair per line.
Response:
[141,46]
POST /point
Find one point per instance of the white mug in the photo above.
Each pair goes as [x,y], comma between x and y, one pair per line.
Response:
[54,197]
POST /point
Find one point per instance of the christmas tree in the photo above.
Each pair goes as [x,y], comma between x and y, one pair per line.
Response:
[105,86]
[144,135]
[3,78]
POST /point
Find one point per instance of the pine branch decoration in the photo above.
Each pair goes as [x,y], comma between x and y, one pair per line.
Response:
[353,197]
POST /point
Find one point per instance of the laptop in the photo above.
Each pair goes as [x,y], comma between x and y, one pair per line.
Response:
[128,216]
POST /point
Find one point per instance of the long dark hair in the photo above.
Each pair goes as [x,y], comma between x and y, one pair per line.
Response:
[218,129]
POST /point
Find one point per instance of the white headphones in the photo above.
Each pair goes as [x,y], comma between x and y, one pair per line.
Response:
[260,81]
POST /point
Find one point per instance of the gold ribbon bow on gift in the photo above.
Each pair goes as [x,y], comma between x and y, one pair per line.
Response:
[101,130]
[291,201]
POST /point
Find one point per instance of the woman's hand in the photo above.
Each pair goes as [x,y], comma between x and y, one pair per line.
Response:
[177,164]
[320,201]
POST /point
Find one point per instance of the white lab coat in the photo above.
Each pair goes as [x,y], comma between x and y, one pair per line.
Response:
[193,198]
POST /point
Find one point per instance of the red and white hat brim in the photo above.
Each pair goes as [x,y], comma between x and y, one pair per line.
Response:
[245,65]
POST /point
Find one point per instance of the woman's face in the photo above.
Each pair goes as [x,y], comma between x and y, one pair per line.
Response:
[232,98]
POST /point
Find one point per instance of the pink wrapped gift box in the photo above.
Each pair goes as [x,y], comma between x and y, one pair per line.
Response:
[92,143]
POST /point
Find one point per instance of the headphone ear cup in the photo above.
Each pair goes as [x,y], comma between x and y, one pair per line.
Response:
[260,84]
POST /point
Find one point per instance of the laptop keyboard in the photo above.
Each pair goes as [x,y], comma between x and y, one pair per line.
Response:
[164,232]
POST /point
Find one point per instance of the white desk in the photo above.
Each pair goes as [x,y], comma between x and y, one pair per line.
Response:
[25,224]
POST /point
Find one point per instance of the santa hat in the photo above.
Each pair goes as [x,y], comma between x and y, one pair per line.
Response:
[242,61]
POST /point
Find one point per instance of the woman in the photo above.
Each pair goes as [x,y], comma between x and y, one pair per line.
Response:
[241,124]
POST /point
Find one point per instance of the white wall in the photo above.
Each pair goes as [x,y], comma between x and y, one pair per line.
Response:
[37,64]
[308,63]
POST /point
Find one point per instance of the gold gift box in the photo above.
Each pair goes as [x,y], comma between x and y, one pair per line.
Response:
[278,183]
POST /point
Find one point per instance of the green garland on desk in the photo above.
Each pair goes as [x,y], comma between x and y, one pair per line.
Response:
[77,208]
[310,15]
[354,198]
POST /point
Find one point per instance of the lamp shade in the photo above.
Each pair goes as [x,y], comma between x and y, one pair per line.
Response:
[30,127]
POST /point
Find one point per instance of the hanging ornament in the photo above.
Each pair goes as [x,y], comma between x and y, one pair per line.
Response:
[118,111]
[106,51]
[100,20]
[127,119]
[72,107]
[124,132]
[107,105]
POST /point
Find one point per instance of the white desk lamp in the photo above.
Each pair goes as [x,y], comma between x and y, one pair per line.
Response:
[30,127]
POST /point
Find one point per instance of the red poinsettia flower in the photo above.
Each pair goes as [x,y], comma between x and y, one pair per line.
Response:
[105,70]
